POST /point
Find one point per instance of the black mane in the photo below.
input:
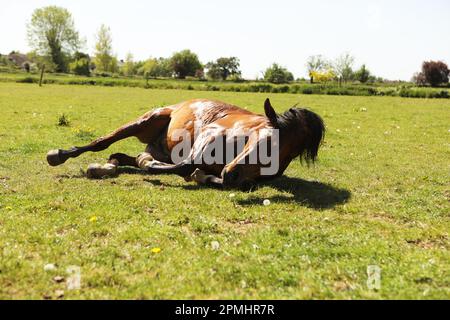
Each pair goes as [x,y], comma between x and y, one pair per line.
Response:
[307,123]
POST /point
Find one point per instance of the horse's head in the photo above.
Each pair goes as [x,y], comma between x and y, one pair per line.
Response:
[295,133]
[301,132]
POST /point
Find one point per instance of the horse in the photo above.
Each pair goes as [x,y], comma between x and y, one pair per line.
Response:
[199,124]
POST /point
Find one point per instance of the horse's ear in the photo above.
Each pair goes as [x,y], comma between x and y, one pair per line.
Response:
[270,112]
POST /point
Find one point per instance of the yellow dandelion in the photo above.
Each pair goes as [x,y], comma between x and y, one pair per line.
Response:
[93,219]
[156,250]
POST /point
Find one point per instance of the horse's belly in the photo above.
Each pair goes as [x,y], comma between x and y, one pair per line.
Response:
[159,149]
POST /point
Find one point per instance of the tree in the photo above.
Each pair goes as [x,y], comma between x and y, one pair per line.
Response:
[128,67]
[323,76]
[149,69]
[103,50]
[81,64]
[51,32]
[363,74]
[185,63]
[222,68]
[434,72]
[316,64]
[39,60]
[277,74]
[164,68]
[419,79]
[26,66]
[114,68]
[153,68]
[343,67]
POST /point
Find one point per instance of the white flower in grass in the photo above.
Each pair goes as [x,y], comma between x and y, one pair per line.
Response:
[49,267]
[215,245]
[266,202]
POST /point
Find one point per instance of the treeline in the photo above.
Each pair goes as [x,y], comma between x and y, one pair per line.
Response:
[57,45]
[386,89]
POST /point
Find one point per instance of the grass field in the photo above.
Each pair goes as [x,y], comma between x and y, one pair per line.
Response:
[378,196]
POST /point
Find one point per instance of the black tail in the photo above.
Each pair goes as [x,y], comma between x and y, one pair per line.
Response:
[315,133]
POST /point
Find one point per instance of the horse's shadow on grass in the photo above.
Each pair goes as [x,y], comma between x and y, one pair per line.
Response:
[310,194]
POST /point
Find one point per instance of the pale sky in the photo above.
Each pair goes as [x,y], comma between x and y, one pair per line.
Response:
[391,37]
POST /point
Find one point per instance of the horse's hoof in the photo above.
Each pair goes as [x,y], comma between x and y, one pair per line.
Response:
[54,157]
[97,171]
[143,159]
[199,176]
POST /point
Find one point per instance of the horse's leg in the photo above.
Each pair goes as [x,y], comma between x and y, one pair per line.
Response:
[146,162]
[201,177]
[121,160]
[146,128]
[96,170]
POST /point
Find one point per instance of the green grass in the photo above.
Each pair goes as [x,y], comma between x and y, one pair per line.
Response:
[378,196]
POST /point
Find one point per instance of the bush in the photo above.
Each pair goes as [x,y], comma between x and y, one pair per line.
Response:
[372,91]
[63,121]
[236,78]
[337,91]
[283,89]
[80,67]
[212,88]
[277,74]
[26,80]
[444,94]
[260,88]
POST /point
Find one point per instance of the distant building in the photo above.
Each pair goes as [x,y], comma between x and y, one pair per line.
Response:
[20,60]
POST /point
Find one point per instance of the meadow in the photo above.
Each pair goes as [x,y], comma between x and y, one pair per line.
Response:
[379,195]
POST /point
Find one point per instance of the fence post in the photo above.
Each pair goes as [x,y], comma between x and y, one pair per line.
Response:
[42,75]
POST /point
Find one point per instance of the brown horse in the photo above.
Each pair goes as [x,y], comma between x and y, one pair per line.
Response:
[210,142]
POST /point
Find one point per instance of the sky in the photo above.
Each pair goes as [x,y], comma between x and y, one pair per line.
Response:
[392,37]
